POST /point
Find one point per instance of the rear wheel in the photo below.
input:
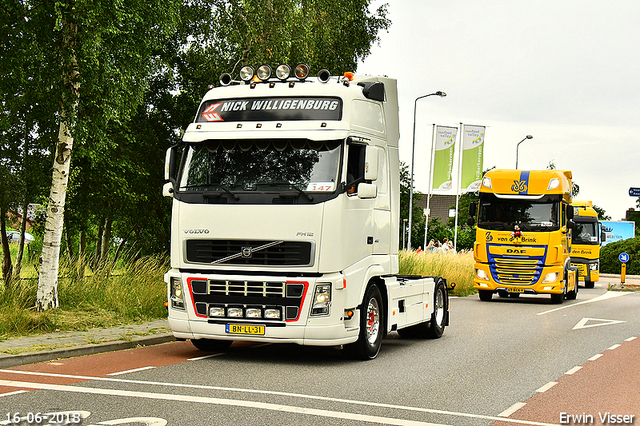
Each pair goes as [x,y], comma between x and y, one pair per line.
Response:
[210,345]
[371,327]
[589,284]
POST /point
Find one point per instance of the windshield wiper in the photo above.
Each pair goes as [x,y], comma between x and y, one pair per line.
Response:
[209,186]
[291,185]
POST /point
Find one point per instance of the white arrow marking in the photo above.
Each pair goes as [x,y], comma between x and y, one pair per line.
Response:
[583,323]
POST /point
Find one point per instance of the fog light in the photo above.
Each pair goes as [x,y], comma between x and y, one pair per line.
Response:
[548,288]
[301,71]
[264,72]
[216,311]
[246,73]
[235,312]
[551,277]
[253,313]
[483,285]
[283,72]
[272,313]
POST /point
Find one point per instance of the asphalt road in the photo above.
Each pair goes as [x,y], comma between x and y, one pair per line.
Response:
[497,362]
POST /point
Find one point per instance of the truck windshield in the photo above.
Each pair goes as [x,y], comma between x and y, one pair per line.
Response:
[530,215]
[585,232]
[231,166]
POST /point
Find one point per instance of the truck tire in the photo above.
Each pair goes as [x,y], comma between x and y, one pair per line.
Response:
[371,327]
[434,328]
[485,295]
[589,284]
[572,295]
[211,345]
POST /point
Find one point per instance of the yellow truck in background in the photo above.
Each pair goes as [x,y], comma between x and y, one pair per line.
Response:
[523,235]
[585,242]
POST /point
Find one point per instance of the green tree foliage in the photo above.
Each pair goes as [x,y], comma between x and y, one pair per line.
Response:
[609,263]
[417,214]
[139,70]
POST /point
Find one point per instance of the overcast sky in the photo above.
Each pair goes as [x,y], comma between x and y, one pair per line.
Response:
[566,72]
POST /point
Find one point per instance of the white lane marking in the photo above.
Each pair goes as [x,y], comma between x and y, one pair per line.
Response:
[593,358]
[573,370]
[12,393]
[630,339]
[205,357]
[606,296]
[509,411]
[583,323]
[287,394]
[616,346]
[220,401]
[130,371]
[547,387]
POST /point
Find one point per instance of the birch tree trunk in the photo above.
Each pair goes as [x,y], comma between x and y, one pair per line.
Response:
[47,294]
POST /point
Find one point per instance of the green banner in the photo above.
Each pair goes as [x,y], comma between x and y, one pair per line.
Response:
[472,158]
[445,142]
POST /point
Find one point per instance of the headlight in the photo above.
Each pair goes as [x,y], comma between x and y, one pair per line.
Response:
[321,300]
[253,313]
[216,311]
[270,313]
[551,277]
[594,266]
[486,182]
[481,274]
[176,294]
[235,312]
[553,184]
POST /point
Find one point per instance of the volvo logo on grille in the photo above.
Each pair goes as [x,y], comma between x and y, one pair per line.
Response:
[246,252]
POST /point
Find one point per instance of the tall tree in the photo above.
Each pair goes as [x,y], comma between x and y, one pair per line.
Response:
[110,50]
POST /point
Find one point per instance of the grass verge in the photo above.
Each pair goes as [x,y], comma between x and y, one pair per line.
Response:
[454,267]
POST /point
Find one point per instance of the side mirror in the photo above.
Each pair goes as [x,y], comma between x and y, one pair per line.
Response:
[367,190]
[471,221]
[603,237]
[170,164]
[371,163]
[571,224]
[570,211]
[473,209]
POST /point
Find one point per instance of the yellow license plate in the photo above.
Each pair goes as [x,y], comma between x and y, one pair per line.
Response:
[515,289]
[245,329]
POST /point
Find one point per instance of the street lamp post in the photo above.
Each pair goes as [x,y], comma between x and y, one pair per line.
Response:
[518,146]
[413,154]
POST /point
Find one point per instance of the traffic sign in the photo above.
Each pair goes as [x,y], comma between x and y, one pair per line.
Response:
[623,257]
[634,192]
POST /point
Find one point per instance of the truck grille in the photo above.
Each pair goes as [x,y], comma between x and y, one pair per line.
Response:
[516,269]
[243,296]
[247,252]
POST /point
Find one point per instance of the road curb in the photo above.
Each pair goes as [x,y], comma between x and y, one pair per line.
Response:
[8,360]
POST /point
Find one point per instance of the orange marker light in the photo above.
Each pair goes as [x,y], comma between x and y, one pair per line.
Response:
[348,75]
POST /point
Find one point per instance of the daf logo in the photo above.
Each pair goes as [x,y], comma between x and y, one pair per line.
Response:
[196,231]
[516,251]
[246,252]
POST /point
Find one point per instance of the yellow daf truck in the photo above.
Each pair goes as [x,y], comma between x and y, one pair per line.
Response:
[585,242]
[523,235]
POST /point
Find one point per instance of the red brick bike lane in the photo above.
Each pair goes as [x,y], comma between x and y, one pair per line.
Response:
[603,391]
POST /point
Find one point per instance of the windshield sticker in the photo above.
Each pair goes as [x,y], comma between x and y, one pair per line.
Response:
[320,187]
[271,109]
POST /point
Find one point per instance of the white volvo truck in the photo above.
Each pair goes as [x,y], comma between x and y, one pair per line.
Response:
[285,217]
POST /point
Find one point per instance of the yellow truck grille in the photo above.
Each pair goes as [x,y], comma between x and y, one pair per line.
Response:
[516,266]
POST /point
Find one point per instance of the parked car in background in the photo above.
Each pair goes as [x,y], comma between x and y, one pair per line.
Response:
[14,237]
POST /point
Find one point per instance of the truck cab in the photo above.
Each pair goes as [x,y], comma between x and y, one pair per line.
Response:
[523,235]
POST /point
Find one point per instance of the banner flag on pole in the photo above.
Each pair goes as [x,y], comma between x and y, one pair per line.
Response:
[445,141]
[472,158]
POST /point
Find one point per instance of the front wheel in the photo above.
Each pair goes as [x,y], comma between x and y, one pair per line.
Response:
[589,284]
[485,295]
[371,327]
